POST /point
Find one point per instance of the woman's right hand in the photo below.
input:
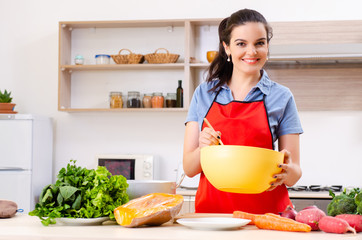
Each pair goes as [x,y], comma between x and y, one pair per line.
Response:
[209,137]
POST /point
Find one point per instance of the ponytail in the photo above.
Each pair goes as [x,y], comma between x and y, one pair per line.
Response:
[220,68]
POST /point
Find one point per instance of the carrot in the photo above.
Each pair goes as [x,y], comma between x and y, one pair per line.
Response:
[271,222]
[275,215]
[245,215]
[252,216]
[284,219]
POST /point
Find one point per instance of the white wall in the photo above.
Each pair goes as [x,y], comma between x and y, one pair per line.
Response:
[331,145]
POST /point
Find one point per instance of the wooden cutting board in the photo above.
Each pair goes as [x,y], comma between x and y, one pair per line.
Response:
[200,215]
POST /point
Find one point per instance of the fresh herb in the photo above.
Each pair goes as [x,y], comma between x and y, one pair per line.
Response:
[81,193]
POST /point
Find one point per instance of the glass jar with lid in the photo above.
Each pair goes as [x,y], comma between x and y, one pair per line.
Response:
[157,100]
[115,100]
[103,59]
[79,60]
[147,100]
[133,99]
[170,100]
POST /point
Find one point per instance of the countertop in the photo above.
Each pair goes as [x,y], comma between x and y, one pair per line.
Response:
[26,227]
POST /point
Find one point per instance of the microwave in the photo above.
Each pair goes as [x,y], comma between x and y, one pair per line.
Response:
[132,167]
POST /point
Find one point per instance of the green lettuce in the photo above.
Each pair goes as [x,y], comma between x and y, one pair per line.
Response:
[81,193]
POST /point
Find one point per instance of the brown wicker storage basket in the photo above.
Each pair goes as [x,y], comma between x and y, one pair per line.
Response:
[130,58]
[161,57]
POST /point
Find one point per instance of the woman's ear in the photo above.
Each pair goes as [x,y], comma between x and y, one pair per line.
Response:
[226,48]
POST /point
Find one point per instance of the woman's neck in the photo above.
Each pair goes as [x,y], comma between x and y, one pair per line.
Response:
[241,84]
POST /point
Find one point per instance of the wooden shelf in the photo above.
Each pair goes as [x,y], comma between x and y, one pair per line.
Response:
[122,24]
[199,65]
[123,110]
[123,66]
[317,59]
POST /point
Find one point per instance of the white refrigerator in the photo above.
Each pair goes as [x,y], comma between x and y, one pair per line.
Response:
[26,157]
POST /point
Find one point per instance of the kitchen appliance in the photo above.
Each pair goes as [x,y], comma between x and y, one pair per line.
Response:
[316,188]
[26,148]
[132,167]
[139,188]
[303,196]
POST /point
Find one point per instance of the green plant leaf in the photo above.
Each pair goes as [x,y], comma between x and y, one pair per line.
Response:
[48,196]
[77,202]
[67,192]
[5,97]
[60,199]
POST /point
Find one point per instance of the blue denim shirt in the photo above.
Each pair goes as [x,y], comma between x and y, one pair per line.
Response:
[279,101]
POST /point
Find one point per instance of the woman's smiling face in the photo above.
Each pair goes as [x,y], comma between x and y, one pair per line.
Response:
[248,47]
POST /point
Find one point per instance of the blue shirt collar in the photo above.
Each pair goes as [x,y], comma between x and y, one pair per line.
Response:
[264,83]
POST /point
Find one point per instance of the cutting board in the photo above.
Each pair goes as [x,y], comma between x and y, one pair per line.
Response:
[200,215]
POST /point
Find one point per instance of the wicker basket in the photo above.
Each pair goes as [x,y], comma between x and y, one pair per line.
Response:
[130,58]
[161,57]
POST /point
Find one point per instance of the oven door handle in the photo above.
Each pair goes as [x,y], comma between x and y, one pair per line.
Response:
[12,169]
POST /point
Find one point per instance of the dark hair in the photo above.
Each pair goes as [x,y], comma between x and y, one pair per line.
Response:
[220,68]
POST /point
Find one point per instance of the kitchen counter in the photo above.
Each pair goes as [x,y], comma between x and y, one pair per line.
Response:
[26,227]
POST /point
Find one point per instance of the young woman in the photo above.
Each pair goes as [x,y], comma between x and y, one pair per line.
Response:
[245,108]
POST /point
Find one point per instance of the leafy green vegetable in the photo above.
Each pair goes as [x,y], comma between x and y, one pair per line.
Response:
[81,193]
[358,201]
[345,203]
[353,193]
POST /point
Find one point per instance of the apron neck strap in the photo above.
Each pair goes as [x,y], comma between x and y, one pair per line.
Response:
[217,93]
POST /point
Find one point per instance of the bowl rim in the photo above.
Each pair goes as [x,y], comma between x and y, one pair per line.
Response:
[242,146]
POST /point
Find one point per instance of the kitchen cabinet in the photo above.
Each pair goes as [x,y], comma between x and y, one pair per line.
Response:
[188,205]
[320,61]
[26,158]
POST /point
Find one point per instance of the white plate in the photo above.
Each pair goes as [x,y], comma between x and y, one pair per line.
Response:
[213,223]
[81,221]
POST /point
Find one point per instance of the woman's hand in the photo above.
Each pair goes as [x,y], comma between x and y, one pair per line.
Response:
[209,137]
[289,173]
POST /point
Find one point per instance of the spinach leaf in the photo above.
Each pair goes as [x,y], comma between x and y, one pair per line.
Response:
[67,192]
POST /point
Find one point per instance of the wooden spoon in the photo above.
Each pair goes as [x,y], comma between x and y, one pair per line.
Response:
[209,125]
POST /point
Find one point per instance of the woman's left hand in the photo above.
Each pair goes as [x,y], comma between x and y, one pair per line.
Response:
[287,169]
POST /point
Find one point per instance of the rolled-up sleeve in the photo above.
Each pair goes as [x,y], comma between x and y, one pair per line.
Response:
[192,113]
[290,121]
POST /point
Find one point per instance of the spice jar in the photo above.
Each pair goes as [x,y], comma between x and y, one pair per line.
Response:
[103,59]
[133,100]
[115,100]
[157,100]
[170,100]
[79,60]
[147,103]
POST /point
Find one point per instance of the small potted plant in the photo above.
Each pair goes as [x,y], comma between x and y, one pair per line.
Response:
[6,105]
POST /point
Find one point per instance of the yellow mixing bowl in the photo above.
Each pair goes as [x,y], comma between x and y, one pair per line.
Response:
[240,169]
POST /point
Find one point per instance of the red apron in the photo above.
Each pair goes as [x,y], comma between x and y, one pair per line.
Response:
[240,123]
